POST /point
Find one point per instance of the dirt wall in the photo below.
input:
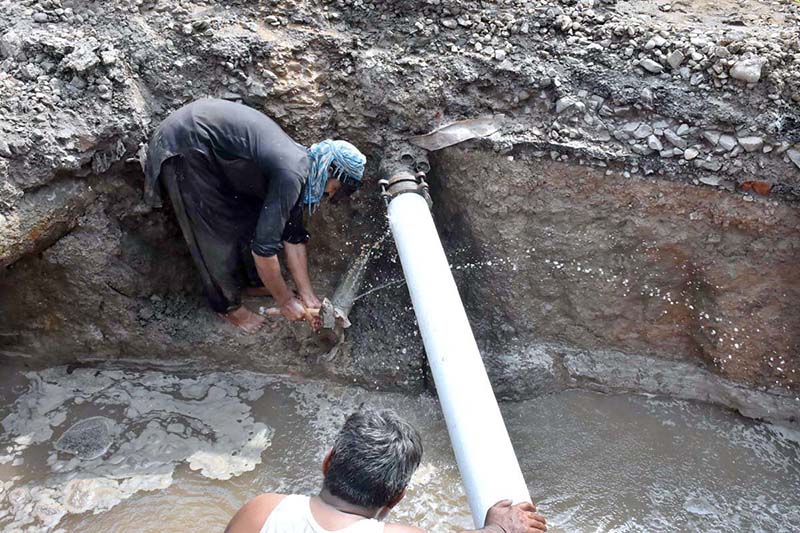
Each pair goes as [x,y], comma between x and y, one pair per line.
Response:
[633,142]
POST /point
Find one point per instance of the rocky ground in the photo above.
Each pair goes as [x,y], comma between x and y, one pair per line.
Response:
[675,117]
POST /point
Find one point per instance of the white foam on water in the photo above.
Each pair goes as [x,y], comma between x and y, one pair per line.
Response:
[160,421]
[188,451]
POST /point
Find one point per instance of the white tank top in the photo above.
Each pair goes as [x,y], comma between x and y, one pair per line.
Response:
[293,515]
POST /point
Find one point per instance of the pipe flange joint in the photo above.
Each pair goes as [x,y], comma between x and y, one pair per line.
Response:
[405,182]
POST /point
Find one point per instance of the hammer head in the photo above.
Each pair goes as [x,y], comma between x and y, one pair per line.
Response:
[327,315]
[334,322]
[332,316]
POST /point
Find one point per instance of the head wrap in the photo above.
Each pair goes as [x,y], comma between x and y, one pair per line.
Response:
[345,158]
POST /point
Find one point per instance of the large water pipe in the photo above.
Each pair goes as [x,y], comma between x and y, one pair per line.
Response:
[483,450]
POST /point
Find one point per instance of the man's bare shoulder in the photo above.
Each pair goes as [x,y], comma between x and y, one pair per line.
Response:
[400,528]
[252,516]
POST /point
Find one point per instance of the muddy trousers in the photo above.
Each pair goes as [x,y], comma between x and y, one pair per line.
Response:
[220,248]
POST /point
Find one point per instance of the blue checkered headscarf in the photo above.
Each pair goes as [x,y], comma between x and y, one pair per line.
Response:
[346,161]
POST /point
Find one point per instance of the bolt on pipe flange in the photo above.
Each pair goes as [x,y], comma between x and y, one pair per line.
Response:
[404,182]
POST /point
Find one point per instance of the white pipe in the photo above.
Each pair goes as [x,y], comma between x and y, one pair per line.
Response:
[483,450]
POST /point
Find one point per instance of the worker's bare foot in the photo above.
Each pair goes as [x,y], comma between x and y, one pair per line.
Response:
[245,319]
[257,291]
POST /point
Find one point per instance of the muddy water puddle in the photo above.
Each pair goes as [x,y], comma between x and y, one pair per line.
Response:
[172,451]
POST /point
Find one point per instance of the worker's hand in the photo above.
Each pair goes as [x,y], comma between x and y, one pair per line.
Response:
[310,301]
[519,518]
[293,310]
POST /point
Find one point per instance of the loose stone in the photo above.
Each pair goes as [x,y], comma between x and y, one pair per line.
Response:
[708,164]
[675,139]
[727,142]
[654,143]
[691,153]
[643,131]
[675,59]
[81,60]
[88,439]
[751,143]
[651,66]
[722,52]
[748,70]
[711,180]
[794,156]
[562,104]
[712,136]
[109,57]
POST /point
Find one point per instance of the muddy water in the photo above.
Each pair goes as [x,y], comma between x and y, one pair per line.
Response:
[186,449]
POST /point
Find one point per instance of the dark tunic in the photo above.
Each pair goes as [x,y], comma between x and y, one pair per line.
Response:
[235,179]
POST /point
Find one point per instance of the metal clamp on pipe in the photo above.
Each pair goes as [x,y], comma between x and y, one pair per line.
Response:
[403,182]
[403,170]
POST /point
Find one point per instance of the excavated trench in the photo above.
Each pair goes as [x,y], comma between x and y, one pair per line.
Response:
[569,288]
[573,275]
[624,231]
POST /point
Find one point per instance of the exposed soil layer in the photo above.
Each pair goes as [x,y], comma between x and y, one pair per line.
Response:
[637,202]
[597,260]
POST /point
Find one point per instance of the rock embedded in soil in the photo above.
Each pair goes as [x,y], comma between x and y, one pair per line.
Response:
[643,131]
[751,143]
[651,66]
[728,142]
[748,70]
[675,59]
[794,156]
[675,139]
[691,153]
[654,143]
[712,136]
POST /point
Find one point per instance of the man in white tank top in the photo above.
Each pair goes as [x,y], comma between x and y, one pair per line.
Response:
[365,475]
